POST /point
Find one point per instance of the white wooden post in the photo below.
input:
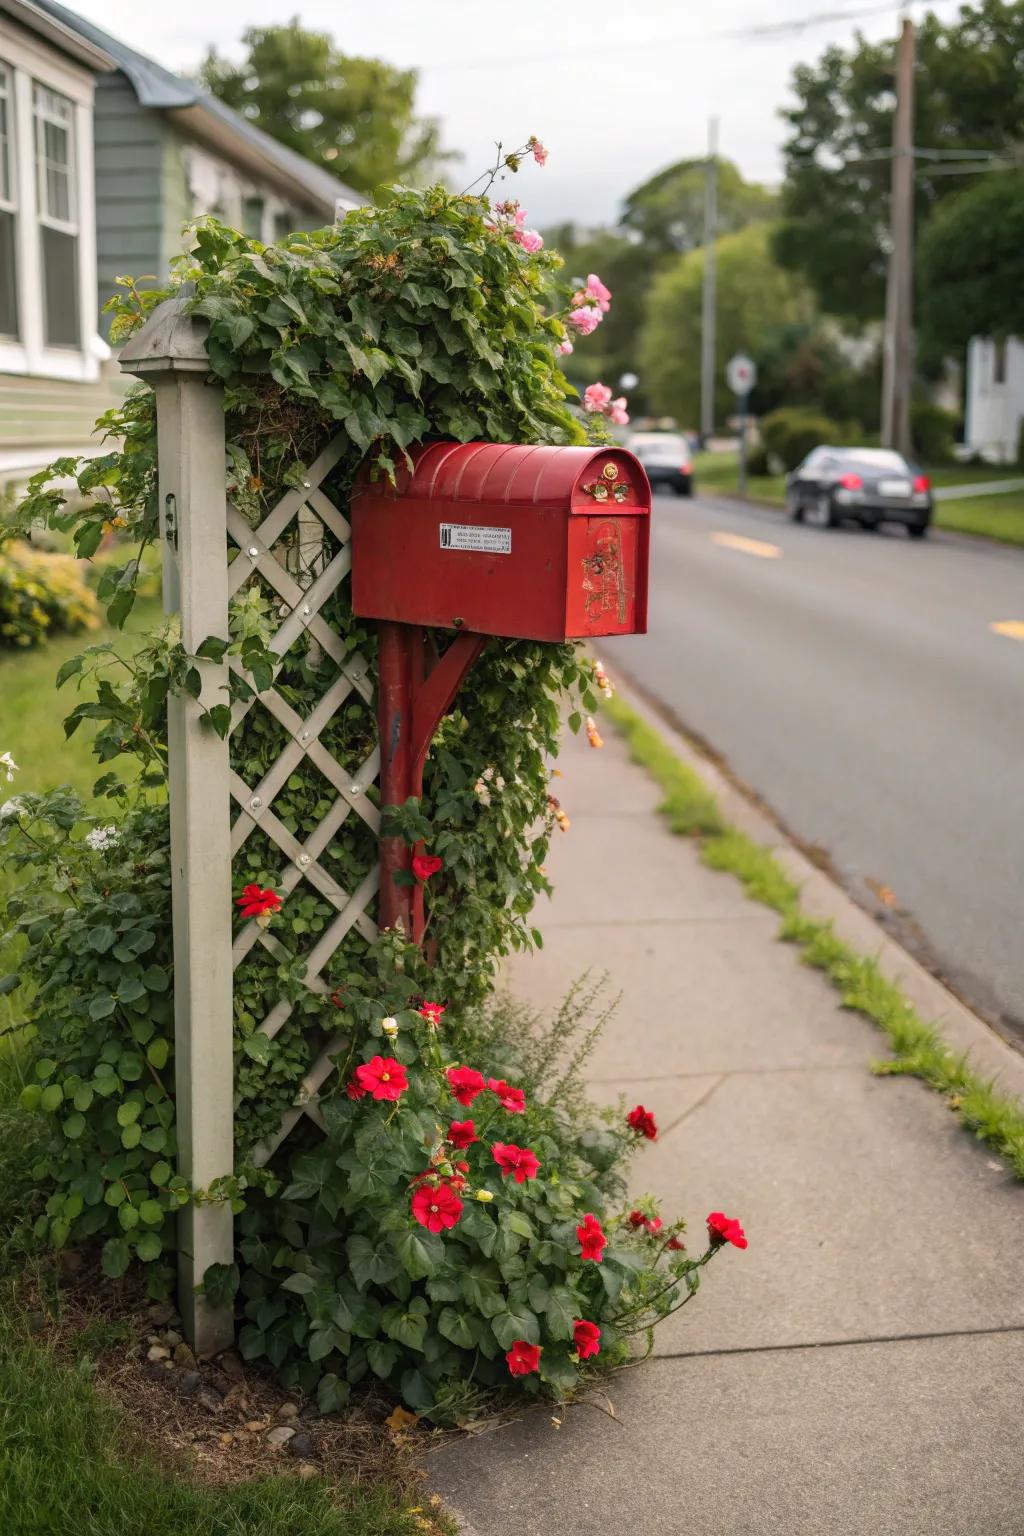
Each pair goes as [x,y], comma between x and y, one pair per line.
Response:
[169,353]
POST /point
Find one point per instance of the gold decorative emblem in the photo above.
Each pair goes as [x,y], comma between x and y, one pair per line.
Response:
[609,485]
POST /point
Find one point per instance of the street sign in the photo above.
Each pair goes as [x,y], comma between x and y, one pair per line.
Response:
[741,374]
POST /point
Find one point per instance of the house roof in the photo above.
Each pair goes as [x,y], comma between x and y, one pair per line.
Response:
[34,19]
[209,119]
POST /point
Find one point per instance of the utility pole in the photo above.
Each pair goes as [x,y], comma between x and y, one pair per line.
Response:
[707,331]
[898,354]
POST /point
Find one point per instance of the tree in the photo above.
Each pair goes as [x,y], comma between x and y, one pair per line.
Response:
[969,94]
[667,212]
[971,266]
[755,297]
[354,117]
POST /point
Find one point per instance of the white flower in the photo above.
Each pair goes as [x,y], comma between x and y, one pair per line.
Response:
[11,808]
[102,838]
[9,766]
[483,794]
[390,1027]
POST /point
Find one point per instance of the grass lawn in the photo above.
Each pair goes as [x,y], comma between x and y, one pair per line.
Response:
[32,728]
[999,516]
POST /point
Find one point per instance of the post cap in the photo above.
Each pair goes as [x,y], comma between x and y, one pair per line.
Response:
[171,341]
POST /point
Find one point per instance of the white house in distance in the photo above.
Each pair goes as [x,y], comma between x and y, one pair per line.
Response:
[994,398]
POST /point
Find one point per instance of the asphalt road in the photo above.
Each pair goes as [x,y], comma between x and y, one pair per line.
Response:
[853,680]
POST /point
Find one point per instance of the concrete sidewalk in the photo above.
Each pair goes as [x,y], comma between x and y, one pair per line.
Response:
[859,1370]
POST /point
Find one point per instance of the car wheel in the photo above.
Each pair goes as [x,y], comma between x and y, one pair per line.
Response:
[679,488]
[820,513]
[917,530]
[794,508]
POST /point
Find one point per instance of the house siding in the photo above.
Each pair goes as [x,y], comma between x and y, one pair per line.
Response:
[41,418]
[129,144]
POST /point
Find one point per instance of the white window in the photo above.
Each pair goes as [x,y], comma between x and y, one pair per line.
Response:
[48,301]
[8,211]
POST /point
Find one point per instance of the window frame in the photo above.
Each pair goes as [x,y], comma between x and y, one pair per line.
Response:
[29,63]
[9,203]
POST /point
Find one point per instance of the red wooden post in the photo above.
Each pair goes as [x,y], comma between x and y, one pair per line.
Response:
[411,704]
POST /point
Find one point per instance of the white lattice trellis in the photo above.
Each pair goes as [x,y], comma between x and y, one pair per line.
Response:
[213,811]
[265,551]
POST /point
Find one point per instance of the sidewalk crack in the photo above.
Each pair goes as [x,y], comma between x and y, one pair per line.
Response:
[875,1338]
[705,1096]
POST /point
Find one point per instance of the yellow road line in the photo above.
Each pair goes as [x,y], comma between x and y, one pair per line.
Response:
[1014,628]
[748,546]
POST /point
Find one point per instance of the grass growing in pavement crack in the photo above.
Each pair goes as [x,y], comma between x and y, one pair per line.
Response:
[918,1048]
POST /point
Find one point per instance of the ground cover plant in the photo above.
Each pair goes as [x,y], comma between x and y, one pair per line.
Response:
[457,1219]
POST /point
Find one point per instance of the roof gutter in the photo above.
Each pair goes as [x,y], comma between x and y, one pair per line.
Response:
[53,31]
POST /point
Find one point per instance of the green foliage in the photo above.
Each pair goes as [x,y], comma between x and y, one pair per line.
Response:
[89,919]
[933,432]
[41,594]
[667,210]
[835,198]
[971,267]
[755,297]
[341,1280]
[352,117]
[918,1049]
[789,435]
[419,318]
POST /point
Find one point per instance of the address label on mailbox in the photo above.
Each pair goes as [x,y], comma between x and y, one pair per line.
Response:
[488,541]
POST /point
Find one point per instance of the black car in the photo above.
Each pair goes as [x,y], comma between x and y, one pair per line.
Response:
[666,458]
[865,485]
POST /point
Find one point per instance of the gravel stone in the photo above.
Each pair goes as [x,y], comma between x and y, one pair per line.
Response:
[302,1446]
[280,1436]
[210,1400]
[158,1352]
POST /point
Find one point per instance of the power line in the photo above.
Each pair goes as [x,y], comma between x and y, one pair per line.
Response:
[644,45]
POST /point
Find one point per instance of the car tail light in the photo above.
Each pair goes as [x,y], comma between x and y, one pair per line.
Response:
[852,482]
[685,467]
[922,484]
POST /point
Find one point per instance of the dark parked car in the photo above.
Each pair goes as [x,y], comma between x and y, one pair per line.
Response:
[866,485]
[666,458]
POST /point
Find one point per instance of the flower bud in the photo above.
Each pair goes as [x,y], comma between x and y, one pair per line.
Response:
[390,1027]
[483,1195]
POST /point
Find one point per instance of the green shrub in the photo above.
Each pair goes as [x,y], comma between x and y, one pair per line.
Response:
[933,432]
[420,317]
[41,594]
[790,434]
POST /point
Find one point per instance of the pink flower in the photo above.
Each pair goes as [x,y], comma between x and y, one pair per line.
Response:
[432,1013]
[597,397]
[617,412]
[519,1161]
[531,241]
[564,348]
[540,154]
[585,319]
[598,293]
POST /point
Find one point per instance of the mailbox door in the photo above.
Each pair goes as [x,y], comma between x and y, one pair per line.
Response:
[607,585]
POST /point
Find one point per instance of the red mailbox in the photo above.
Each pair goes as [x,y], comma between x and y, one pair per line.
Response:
[497,539]
[486,539]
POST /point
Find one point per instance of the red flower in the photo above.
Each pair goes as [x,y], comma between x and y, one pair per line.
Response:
[337,999]
[436,1207]
[653,1225]
[462,1134]
[463,1167]
[725,1229]
[431,1012]
[384,1077]
[355,1089]
[675,1245]
[426,864]
[512,1099]
[516,1160]
[523,1358]
[585,1337]
[466,1083]
[255,902]
[636,1219]
[592,1239]
[642,1121]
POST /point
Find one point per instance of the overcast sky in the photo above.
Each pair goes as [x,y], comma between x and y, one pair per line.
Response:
[616,88]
